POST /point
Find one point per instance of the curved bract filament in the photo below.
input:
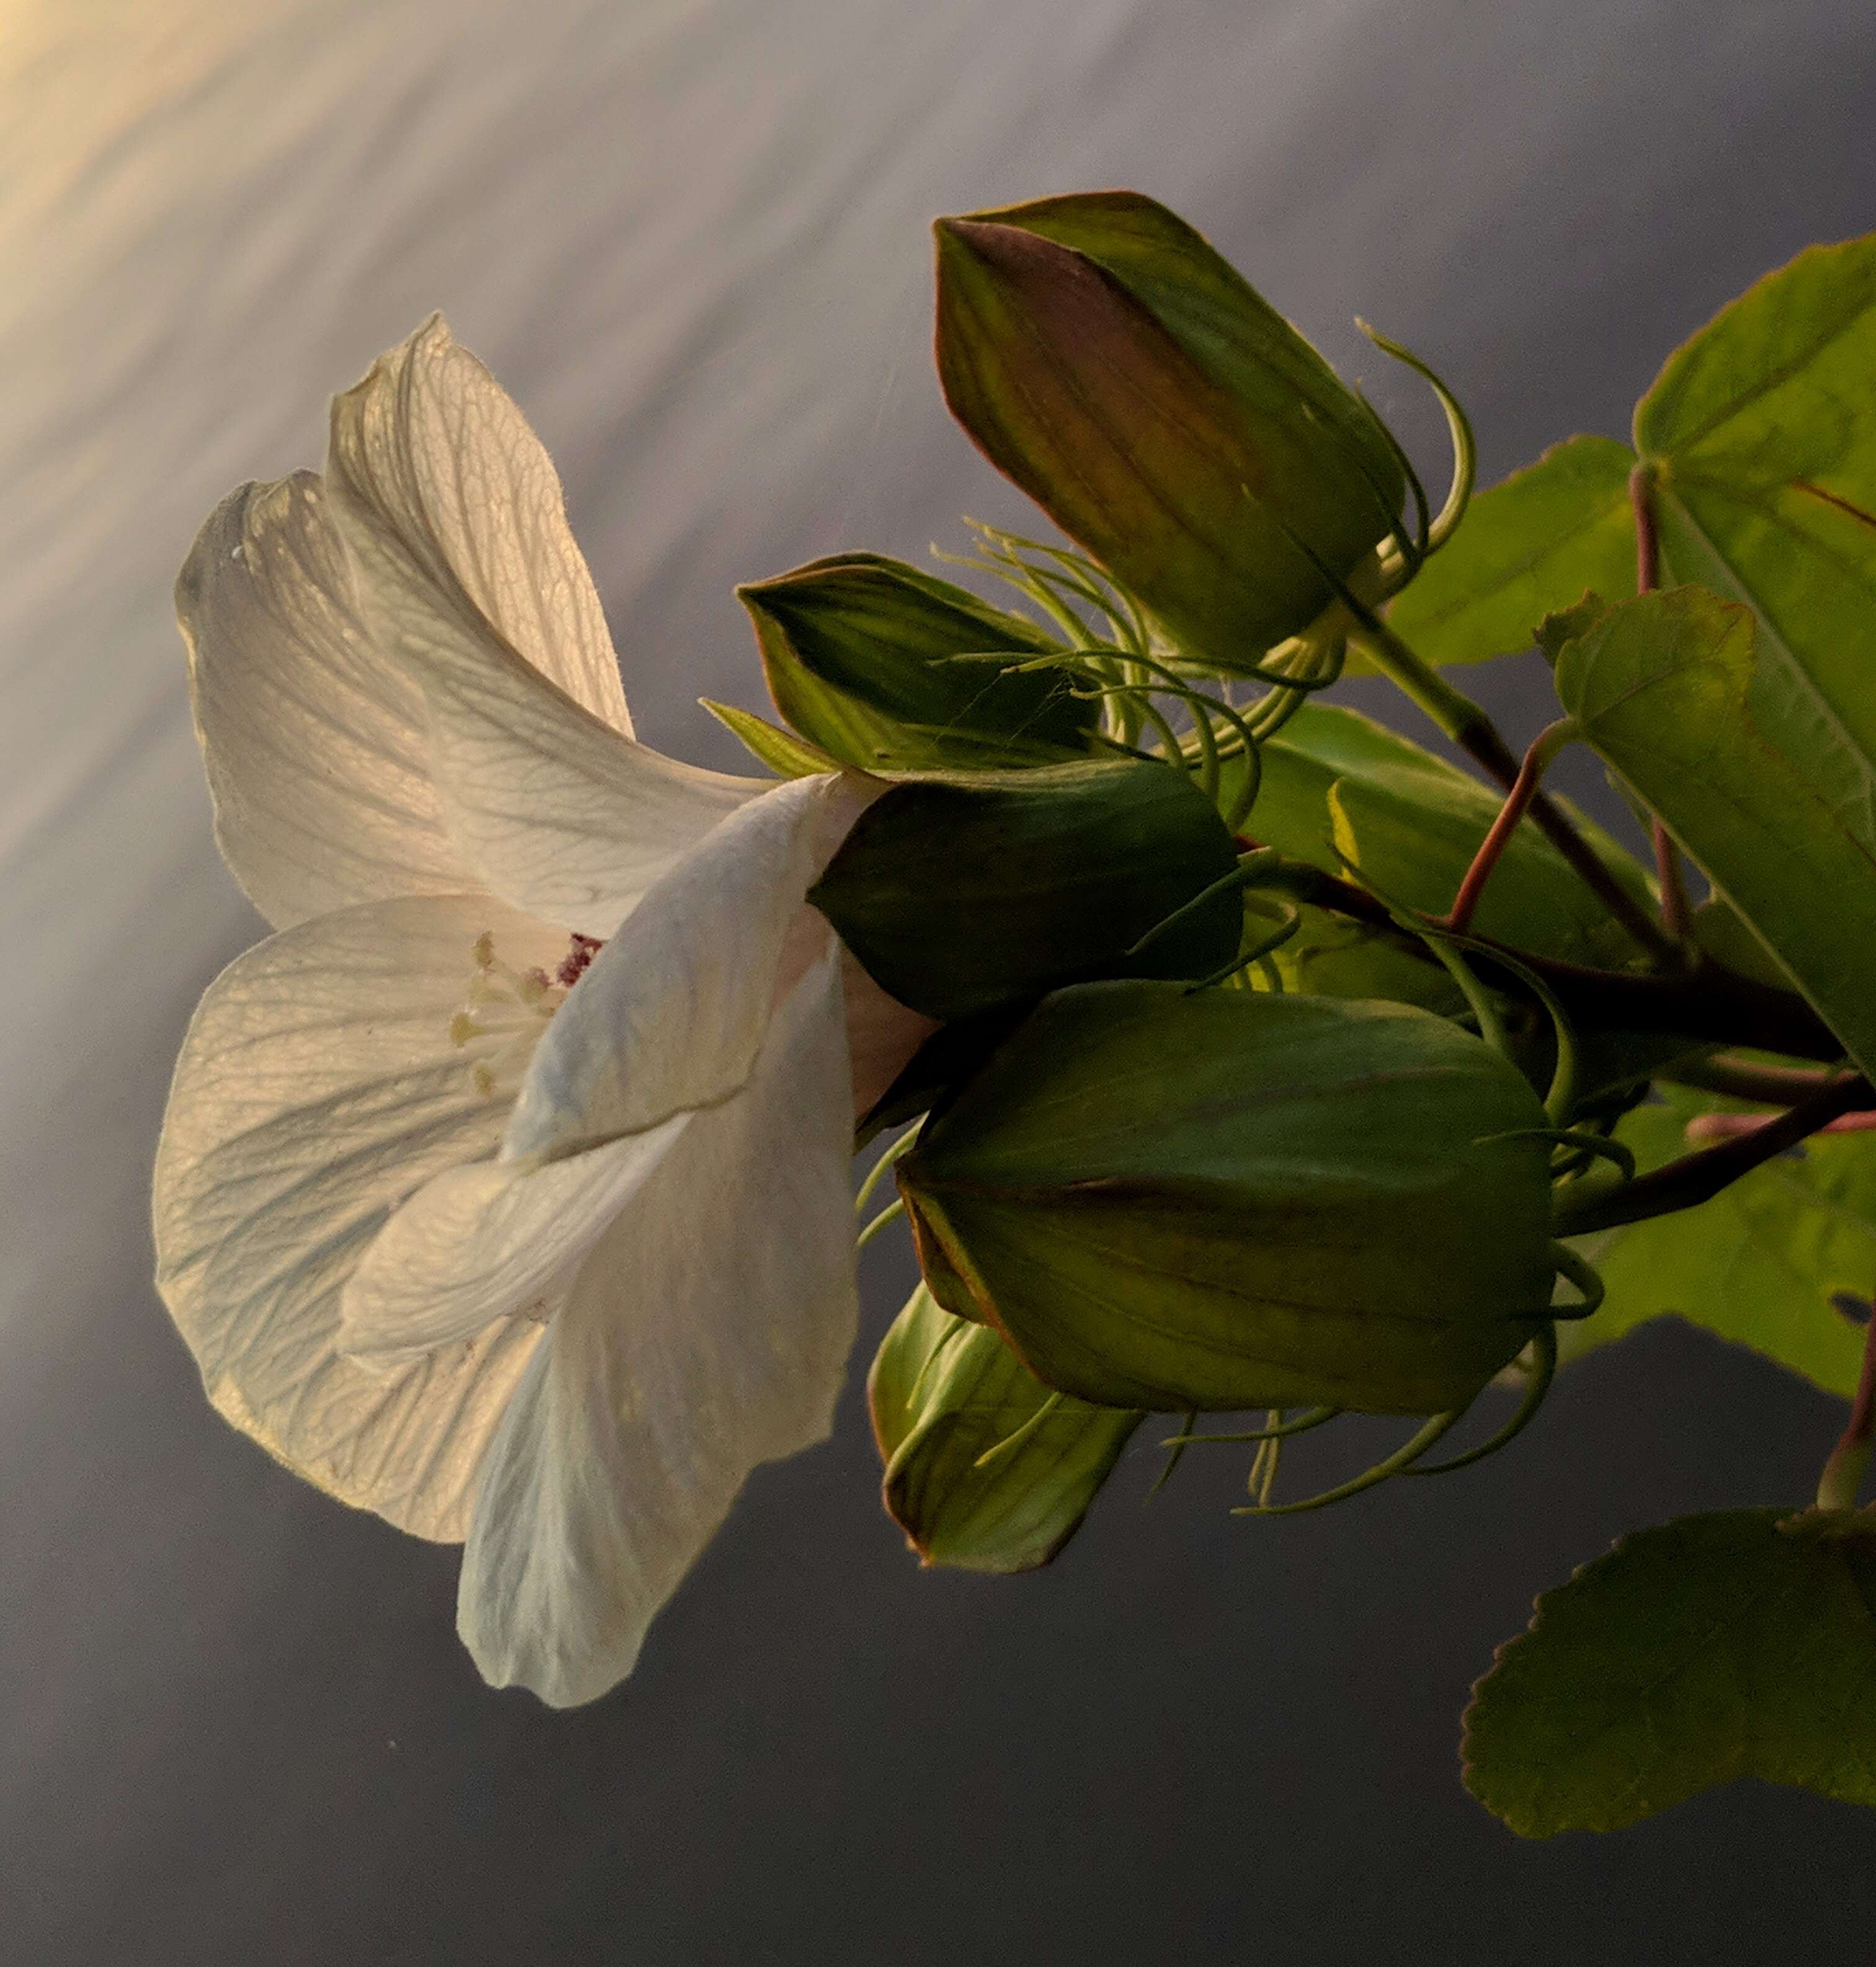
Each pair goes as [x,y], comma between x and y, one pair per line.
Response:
[1409,1458]
[1459,429]
[1577,1270]
[1404,1457]
[1109,642]
[1543,1371]
[1310,1417]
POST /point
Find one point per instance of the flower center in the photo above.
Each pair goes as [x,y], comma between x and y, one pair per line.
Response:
[505,1011]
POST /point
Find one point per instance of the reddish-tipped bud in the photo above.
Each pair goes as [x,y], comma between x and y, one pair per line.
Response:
[1106,359]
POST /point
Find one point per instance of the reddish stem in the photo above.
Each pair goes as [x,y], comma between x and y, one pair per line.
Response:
[1517,804]
[1647,537]
[1843,1473]
[1734,1126]
[1697,1177]
[1863,1407]
[1676,914]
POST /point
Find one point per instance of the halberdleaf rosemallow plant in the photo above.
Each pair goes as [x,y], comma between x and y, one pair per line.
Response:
[1232,1054]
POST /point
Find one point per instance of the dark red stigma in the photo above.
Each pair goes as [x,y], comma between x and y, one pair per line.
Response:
[581,950]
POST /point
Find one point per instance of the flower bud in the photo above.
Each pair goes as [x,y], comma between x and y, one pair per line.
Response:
[1107,359]
[986,1469]
[1226,1199]
[959,895]
[860,653]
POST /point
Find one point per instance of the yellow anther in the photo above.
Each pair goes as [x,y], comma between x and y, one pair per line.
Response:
[504,1013]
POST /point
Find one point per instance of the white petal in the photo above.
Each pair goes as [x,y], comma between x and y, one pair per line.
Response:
[493,1240]
[671,1012]
[456,516]
[707,1333]
[555,810]
[314,737]
[882,1035]
[467,568]
[317,1088]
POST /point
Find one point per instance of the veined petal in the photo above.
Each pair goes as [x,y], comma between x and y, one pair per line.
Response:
[707,1333]
[317,1088]
[493,1240]
[673,1011]
[315,738]
[557,811]
[456,515]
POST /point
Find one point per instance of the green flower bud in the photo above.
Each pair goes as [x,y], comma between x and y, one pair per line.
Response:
[1226,1201]
[986,1469]
[1108,360]
[960,896]
[859,650]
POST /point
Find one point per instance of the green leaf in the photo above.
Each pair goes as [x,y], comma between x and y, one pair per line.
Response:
[1774,799]
[1742,1643]
[1720,930]
[781,751]
[1760,434]
[1105,358]
[1322,743]
[1415,838]
[959,896]
[1334,956]
[861,653]
[1759,1264]
[944,1393]
[1338,784]
[1565,624]
[1762,430]
[1525,548]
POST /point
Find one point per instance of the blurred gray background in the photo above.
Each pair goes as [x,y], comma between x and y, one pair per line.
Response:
[235,1726]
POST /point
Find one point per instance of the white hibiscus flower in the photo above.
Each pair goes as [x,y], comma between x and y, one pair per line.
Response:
[504,1238]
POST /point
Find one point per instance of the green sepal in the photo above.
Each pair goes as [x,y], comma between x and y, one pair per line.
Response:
[1105,358]
[861,657]
[959,895]
[1741,1643]
[782,751]
[945,1394]
[1723,736]
[1226,1199]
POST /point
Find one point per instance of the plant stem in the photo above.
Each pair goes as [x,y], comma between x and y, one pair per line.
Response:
[1739,1079]
[1843,1473]
[1544,747]
[1730,1127]
[1675,912]
[1468,726]
[1647,537]
[1697,1177]
[1703,1002]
